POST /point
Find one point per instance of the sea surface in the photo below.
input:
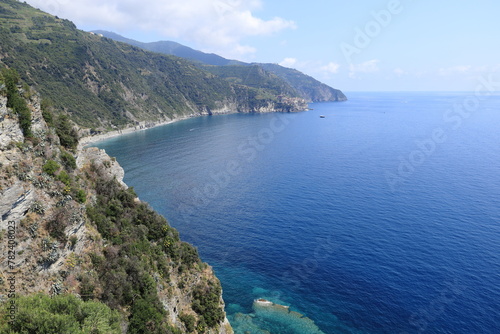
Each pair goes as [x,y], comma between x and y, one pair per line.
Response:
[381,217]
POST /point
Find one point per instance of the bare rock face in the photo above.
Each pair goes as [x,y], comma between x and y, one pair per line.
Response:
[55,240]
[9,127]
[94,155]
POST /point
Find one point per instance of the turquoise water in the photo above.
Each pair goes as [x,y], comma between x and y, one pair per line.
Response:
[382,217]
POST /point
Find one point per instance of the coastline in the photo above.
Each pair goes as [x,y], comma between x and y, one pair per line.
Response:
[85,141]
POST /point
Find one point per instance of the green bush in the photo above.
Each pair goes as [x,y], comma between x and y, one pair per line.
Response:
[189,321]
[51,167]
[64,177]
[81,196]
[67,134]
[206,302]
[42,314]
[68,160]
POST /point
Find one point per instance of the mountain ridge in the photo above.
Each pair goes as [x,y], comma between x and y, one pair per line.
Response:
[108,85]
[306,86]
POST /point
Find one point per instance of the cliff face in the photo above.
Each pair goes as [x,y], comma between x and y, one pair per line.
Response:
[79,230]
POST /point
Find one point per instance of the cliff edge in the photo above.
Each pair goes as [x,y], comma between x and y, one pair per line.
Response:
[70,226]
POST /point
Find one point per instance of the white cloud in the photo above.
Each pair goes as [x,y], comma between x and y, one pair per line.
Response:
[217,25]
[331,67]
[399,72]
[460,69]
[369,66]
[288,62]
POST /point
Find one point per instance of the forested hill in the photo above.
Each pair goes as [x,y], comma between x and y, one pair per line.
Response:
[102,83]
[303,85]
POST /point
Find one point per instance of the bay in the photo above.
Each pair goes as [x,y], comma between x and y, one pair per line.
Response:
[381,217]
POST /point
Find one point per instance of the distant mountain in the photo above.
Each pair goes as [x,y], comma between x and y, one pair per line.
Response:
[104,84]
[254,76]
[173,48]
[305,86]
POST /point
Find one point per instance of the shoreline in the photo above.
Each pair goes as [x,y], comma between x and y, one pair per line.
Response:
[85,141]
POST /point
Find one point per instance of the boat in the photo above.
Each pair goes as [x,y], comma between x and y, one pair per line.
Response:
[321,116]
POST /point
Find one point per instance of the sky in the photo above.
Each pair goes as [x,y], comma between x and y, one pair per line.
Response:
[361,45]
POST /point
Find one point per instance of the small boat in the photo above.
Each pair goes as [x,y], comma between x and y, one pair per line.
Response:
[321,116]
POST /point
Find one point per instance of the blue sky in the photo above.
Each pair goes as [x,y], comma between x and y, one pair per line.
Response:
[363,45]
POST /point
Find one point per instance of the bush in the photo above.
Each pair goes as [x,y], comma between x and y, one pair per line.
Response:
[42,314]
[51,167]
[189,321]
[67,134]
[206,302]
[68,160]
[81,196]
[47,105]
[64,178]
[56,230]
[145,317]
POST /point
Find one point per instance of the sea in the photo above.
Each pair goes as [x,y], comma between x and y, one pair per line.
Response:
[380,214]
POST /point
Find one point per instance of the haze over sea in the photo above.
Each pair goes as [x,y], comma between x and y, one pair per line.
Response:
[382,217]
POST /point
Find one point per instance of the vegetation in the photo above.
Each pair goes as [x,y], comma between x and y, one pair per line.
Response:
[11,79]
[206,299]
[42,314]
[51,167]
[267,85]
[99,82]
[67,134]
[96,82]
[68,160]
[297,82]
[140,243]
[189,322]
[306,86]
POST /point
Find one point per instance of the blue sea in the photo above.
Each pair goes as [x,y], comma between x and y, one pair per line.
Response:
[381,217]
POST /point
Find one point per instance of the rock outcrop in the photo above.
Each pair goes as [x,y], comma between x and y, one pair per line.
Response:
[57,244]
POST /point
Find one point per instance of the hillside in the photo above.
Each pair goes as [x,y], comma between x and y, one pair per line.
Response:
[80,252]
[173,48]
[255,77]
[102,83]
[305,86]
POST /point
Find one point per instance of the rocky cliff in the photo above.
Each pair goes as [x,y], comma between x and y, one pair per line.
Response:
[70,226]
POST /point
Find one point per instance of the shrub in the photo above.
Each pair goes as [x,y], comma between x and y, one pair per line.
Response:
[67,134]
[57,226]
[68,160]
[73,239]
[206,302]
[146,317]
[64,178]
[189,321]
[42,314]
[81,196]
[51,167]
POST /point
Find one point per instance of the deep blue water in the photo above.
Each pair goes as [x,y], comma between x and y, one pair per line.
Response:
[382,217]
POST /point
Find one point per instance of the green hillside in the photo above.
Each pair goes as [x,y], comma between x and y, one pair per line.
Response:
[254,77]
[305,85]
[299,83]
[103,83]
